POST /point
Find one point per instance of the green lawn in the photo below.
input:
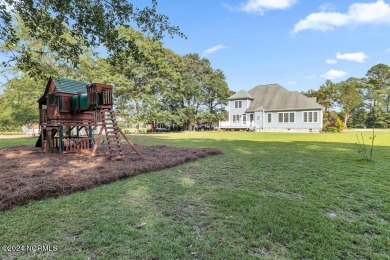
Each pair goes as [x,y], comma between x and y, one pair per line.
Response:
[8,141]
[270,196]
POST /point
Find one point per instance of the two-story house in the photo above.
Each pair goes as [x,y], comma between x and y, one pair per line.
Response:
[273,108]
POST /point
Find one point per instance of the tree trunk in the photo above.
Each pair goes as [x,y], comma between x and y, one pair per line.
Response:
[347,116]
[137,115]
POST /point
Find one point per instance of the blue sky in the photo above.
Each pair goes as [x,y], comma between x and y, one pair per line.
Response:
[296,43]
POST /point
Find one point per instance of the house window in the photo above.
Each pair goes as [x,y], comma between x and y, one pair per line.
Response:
[280,117]
[251,117]
[238,104]
[315,117]
[310,117]
[292,117]
[269,117]
[244,119]
[236,119]
[286,117]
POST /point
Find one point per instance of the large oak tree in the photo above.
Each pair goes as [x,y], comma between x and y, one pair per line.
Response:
[89,23]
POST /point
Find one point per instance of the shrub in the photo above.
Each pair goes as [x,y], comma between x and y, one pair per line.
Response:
[339,125]
[331,129]
[334,126]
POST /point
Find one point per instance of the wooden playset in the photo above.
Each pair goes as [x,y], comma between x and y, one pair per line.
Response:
[69,113]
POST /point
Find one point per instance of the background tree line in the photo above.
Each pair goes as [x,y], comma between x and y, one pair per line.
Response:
[64,38]
[356,102]
[152,84]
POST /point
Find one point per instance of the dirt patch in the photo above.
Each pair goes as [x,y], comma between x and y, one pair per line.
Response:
[27,173]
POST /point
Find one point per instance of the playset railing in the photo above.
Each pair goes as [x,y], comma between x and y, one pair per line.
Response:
[76,144]
[107,97]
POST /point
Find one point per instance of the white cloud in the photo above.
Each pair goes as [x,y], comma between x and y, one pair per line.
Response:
[292,82]
[330,61]
[357,56]
[378,12]
[214,49]
[333,74]
[358,13]
[324,21]
[260,6]
[327,7]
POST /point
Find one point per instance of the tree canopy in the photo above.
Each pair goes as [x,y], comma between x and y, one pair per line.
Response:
[360,102]
[18,103]
[156,86]
[86,23]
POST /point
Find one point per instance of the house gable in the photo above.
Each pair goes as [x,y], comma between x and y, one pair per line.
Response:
[241,95]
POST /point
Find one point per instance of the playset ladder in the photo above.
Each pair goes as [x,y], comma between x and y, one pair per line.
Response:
[113,133]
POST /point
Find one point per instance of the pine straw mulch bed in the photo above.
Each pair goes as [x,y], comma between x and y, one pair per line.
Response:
[27,173]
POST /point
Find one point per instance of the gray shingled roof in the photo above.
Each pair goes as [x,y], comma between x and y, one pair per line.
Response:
[241,95]
[274,97]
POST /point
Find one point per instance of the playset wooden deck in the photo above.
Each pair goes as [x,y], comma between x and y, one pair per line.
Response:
[71,111]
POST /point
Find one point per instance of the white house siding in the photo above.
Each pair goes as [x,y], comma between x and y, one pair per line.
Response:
[297,126]
[258,120]
[238,111]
